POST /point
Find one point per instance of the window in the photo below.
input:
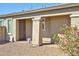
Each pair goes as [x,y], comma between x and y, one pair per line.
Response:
[10,26]
[43,24]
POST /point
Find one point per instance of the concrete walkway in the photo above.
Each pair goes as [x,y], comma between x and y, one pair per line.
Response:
[24,49]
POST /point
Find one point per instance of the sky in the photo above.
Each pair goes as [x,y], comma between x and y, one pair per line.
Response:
[15,7]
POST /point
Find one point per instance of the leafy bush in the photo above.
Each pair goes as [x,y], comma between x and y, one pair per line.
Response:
[55,38]
[68,40]
[73,46]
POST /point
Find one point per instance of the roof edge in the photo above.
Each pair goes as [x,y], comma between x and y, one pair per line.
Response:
[41,9]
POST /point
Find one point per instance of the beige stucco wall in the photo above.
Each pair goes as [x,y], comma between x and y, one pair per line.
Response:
[57,22]
[28,28]
[15,29]
[75,21]
[53,25]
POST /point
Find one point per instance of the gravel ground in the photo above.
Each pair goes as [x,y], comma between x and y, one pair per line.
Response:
[24,49]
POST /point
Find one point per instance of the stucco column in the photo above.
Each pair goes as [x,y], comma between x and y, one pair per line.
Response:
[75,20]
[36,28]
[15,30]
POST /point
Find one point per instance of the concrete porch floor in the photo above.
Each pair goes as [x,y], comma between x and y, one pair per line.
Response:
[22,48]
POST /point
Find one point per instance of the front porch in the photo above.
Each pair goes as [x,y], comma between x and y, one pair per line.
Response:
[25,29]
[39,29]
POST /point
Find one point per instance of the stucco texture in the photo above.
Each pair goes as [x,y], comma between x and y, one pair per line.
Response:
[53,25]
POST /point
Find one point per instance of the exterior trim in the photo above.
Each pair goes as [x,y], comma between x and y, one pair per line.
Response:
[75,15]
[41,9]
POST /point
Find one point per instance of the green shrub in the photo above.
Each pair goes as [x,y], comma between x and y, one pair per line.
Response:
[69,41]
[72,40]
[73,46]
[55,38]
